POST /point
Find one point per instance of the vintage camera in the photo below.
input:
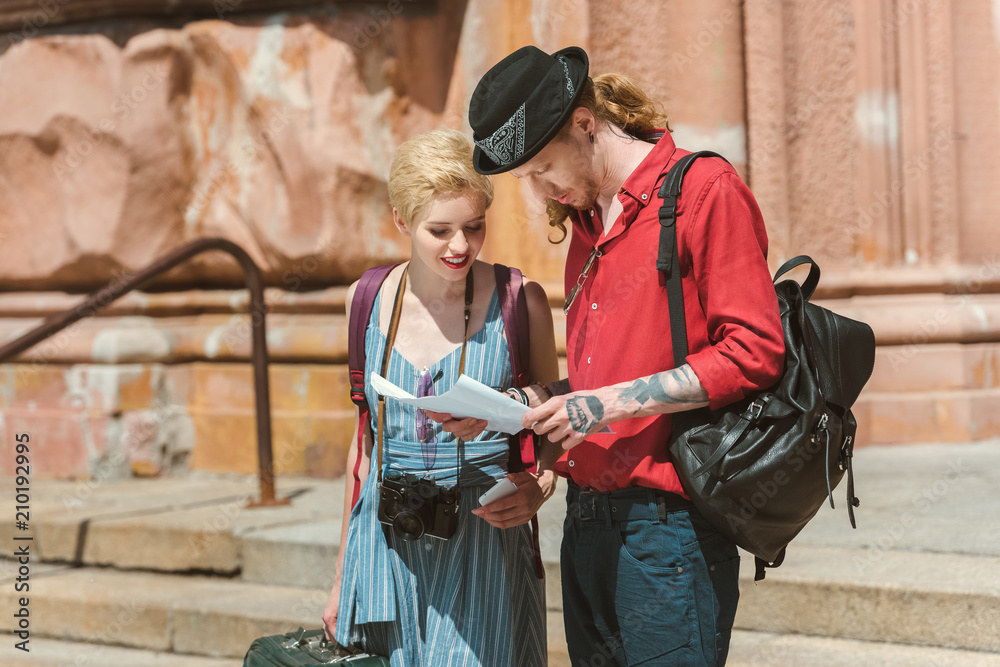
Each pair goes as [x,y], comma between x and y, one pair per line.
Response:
[417,506]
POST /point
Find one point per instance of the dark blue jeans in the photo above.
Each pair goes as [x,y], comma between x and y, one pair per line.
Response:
[645,581]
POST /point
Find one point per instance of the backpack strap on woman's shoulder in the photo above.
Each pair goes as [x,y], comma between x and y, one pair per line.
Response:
[514,307]
[361,311]
[514,310]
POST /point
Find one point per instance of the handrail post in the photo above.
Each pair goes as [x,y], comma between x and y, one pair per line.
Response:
[258,320]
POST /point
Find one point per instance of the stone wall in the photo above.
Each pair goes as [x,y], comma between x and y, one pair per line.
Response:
[866,130]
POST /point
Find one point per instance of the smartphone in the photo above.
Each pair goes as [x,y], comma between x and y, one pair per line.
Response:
[503,488]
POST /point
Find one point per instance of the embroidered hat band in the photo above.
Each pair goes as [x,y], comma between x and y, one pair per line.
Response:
[522,103]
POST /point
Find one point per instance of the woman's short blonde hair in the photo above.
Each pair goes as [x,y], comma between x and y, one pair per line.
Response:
[432,164]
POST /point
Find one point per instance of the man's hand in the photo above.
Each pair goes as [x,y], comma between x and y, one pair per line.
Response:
[520,506]
[569,418]
[466,429]
[572,417]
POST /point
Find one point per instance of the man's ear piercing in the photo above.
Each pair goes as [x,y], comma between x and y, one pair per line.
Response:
[591,137]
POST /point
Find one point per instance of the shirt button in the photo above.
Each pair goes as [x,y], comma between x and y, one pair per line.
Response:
[588,360]
[572,463]
[645,196]
[592,211]
[593,306]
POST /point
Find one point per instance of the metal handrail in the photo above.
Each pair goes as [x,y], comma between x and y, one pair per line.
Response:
[257,311]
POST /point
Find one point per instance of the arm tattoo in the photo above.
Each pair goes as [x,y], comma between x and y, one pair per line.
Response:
[584,412]
[642,391]
[652,388]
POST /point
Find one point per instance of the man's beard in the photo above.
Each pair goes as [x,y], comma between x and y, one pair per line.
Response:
[588,197]
[557,211]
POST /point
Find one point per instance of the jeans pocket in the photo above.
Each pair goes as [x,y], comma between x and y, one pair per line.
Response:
[651,546]
[654,599]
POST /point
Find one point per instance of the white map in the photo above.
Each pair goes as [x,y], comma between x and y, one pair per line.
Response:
[468,398]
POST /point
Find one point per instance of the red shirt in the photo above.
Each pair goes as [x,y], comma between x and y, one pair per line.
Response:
[619,326]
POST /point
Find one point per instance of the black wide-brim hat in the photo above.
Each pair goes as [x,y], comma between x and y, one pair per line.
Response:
[522,103]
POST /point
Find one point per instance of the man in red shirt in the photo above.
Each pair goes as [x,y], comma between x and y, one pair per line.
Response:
[646,580]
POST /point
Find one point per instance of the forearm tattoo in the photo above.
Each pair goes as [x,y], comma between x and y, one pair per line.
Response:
[652,389]
[584,412]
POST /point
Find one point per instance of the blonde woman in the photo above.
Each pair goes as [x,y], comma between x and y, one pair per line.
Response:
[457,589]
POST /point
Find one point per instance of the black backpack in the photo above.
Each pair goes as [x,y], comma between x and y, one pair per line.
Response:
[760,469]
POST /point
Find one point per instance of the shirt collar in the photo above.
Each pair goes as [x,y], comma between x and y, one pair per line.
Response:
[641,183]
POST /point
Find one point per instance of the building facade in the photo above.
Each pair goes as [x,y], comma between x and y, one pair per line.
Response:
[867,130]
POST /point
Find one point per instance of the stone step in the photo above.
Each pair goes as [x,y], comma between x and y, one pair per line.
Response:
[934,599]
[890,580]
[961,415]
[900,599]
[749,649]
[301,554]
[169,525]
[760,649]
[169,613]
[48,652]
[198,615]
[203,524]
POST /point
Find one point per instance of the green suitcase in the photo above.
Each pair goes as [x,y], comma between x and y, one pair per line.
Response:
[306,649]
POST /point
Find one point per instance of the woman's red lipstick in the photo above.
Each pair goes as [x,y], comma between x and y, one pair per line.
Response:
[456,265]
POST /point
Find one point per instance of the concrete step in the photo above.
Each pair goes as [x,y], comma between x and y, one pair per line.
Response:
[922,567]
[936,599]
[759,649]
[47,652]
[209,616]
[170,613]
[170,525]
[291,555]
[959,415]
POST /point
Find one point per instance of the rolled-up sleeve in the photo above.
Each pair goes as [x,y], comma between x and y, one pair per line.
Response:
[728,246]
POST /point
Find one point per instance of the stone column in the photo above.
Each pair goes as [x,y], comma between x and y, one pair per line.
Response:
[860,158]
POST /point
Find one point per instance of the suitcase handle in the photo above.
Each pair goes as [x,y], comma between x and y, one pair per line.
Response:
[317,646]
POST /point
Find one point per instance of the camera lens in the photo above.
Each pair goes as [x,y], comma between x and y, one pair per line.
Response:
[408,525]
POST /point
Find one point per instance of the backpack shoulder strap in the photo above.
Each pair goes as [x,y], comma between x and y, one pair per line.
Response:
[514,308]
[668,257]
[361,312]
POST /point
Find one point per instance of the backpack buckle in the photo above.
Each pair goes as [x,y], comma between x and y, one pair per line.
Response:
[846,452]
[358,396]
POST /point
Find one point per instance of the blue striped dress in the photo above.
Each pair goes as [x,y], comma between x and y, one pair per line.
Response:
[472,600]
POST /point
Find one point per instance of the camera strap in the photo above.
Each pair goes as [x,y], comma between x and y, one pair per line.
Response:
[390,338]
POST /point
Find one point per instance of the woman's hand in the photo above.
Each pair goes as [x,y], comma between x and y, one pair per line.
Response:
[520,506]
[466,429]
[330,613]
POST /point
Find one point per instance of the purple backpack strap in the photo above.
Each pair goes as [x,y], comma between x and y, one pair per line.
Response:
[514,310]
[361,312]
[514,307]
